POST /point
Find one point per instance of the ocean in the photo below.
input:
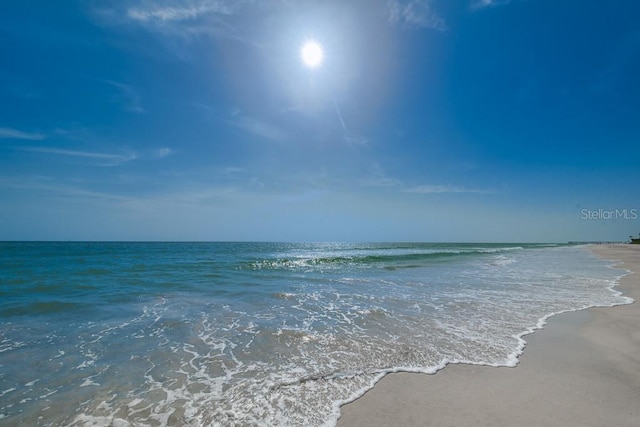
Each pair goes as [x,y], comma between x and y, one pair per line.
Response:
[244,334]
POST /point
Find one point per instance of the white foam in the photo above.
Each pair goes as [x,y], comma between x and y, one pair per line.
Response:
[88,382]
[9,390]
[502,260]
[7,345]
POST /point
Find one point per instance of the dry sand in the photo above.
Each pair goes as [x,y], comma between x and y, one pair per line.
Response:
[582,369]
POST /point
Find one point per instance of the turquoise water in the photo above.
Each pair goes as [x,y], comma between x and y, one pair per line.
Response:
[262,333]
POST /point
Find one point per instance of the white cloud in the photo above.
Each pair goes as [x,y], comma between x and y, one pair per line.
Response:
[127,95]
[53,187]
[9,133]
[233,170]
[249,124]
[179,10]
[260,128]
[178,19]
[107,158]
[441,189]
[163,152]
[414,14]
[383,182]
[481,4]
[191,18]
[354,139]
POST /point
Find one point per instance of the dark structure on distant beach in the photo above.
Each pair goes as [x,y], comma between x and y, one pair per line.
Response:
[635,240]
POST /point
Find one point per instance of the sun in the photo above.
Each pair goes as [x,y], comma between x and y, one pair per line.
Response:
[311,54]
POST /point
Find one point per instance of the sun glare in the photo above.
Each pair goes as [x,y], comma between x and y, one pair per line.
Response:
[312,54]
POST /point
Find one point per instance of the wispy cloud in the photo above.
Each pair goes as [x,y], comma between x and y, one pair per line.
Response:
[53,187]
[107,159]
[190,19]
[178,19]
[382,182]
[481,4]
[253,125]
[349,137]
[10,133]
[127,95]
[260,128]
[377,177]
[415,14]
[230,170]
[355,139]
[163,152]
[441,189]
[179,10]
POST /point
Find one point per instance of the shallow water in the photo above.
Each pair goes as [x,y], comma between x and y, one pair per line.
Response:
[261,333]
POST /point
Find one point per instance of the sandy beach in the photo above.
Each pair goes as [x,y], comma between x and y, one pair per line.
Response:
[582,369]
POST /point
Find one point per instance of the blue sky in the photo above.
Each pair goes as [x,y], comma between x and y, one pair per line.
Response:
[428,120]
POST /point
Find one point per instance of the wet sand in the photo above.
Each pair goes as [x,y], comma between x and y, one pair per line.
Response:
[582,369]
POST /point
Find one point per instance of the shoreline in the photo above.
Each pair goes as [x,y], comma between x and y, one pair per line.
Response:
[582,368]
